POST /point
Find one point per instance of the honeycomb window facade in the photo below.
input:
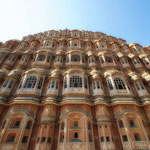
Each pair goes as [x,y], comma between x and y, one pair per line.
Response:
[71,89]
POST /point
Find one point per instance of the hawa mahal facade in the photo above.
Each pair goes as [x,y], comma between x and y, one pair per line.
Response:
[74,90]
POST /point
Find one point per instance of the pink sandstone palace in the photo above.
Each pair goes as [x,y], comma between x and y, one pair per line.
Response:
[74,90]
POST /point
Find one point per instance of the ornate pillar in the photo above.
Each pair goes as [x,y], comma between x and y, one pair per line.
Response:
[86,133]
[30,134]
[65,134]
[22,131]
[92,135]
[40,136]
[6,127]
[124,120]
[120,133]
[104,135]
[141,124]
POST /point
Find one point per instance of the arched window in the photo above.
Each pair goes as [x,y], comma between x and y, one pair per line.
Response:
[124,61]
[40,83]
[109,59]
[110,84]
[85,83]
[89,126]
[75,58]
[137,137]
[75,135]
[75,81]
[76,124]
[11,58]
[67,59]
[83,59]
[28,126]
[5,83]
[20,85]
[24,58]
[62,126]
[101,60]
[41,58]
[136,61]
[119,84]
[58,59]
[102,139]
[30,82]
[89,60]
[48,59]
[97,85]
[121,124]
[10,84]
[65,83]
[94,87]
[139,86]
[1,57]
[3,125]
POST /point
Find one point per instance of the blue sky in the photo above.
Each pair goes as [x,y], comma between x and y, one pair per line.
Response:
[127,19]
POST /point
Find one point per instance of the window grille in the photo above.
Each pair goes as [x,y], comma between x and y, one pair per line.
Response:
[67,59]
[137,86]
[48,59]
[5,83]
[56,84]
[65,83]
[93,59]
[75,81]
[136,61]
[101,60]
[98,85]
[76,124]
[1,57]
[124,137]
[20,85]
[40,83]
[89,60]
[109,59]
[137,137]
[94,87]
[85,83]
[75,58]
[141,85]
[110,84]
[131,123]
[24,139]
[30,82]
[102,139]
[119,84]
[10,84]
[41,58]
[83,59]
[121,124]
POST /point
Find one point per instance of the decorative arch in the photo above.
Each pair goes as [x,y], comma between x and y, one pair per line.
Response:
[127,110]
[76,109]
